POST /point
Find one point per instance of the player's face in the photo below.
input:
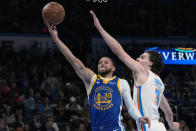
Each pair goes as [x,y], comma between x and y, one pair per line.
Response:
[105,66]
[144,59]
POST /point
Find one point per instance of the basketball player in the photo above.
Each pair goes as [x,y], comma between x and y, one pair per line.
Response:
[105,91]
[148,87]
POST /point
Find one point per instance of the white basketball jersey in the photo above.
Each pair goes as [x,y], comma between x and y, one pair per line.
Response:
[147,98]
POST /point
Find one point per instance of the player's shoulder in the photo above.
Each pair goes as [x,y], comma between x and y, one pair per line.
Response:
[123,80]
[93,78]
[124,85]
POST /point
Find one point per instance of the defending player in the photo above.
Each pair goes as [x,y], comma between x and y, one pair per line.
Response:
[148,87]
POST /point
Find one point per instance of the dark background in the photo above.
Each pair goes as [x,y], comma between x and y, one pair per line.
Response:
[27,72]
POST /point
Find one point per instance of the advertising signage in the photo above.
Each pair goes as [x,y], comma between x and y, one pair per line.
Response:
[177,56]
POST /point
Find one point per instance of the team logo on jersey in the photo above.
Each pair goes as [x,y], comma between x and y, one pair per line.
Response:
[103,98]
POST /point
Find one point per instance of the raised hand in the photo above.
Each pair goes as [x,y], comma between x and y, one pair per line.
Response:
[96,21]
[52,30]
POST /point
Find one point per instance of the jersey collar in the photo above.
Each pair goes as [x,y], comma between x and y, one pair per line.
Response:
[106,81]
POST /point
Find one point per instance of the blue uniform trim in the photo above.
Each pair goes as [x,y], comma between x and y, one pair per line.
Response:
[141,109]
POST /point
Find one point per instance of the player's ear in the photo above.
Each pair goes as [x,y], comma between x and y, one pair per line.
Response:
[150,64]
[113,68]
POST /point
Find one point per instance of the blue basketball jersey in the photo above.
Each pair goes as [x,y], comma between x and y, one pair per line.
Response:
[105,102]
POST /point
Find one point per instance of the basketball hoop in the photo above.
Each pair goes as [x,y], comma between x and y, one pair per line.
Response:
[100,1]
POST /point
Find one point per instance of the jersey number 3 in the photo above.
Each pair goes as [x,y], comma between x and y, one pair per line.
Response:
[157,92]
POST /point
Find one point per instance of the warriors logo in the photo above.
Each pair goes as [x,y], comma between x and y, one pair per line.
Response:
[103,98]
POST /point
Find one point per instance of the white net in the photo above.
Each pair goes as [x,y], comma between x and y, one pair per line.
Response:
[100,1]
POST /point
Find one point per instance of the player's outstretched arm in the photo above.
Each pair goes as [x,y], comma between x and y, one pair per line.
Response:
[132,110]
[164,105]
[84,73]
[116,47]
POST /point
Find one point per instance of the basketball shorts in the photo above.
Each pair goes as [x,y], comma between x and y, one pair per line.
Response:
[155,126]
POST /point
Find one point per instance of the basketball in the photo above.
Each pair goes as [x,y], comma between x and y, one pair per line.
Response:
[53,13]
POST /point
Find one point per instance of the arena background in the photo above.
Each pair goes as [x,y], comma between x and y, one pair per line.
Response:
[37,81]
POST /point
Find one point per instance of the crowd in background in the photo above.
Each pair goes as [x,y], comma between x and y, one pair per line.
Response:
[41,91]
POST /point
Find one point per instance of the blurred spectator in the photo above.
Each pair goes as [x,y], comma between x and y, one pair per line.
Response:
[73,105]
[19,124]
[46,108]
[24,81]
[68,127]
[73,111]
[29,102]
[3,126]
[84,113]
[49,126]
[27,127]
[15,93]
[5,88]
[37,97]
[54,124]
[81,127]
[9,117]
[34,50]
[37,123]
[71,89]
[60,107]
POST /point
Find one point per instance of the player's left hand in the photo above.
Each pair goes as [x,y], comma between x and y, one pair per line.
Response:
[52,29]
[96,21]
[175,126]
[145,120]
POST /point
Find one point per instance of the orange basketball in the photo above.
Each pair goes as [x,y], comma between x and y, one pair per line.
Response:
[53,13]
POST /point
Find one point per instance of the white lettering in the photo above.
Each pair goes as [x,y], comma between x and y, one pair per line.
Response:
[165,56]
[189,55]
[173,55]
[181,56]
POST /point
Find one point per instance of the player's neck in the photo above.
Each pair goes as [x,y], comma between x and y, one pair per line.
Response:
[107,76]
[148,68]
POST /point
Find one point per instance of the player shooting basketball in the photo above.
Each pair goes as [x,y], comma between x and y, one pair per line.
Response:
[148,87]
[105,91]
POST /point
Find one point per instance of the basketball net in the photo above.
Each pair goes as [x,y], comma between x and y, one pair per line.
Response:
[100,1]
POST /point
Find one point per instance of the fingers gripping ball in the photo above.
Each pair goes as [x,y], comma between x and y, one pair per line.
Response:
[53,13]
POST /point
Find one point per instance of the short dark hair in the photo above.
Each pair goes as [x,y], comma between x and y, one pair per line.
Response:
[113,61]
[157,61]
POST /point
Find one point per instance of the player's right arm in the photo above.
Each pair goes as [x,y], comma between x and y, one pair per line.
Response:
[83,72]
[117,48]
